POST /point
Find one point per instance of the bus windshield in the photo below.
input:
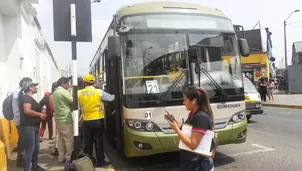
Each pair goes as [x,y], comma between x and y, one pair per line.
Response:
[220,62]
[152,62]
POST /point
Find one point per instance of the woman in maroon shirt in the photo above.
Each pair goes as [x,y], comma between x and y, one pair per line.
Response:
[48,120]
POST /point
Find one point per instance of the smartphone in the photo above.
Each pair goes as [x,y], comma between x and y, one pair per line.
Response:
[169,117]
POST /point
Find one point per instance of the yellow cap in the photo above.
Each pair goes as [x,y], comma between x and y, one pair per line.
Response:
[89,78]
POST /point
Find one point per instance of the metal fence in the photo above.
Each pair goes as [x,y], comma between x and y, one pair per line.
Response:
[295,79]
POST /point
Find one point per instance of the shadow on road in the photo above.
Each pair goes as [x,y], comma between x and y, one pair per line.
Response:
[252,122]
[158,162]
[222,159]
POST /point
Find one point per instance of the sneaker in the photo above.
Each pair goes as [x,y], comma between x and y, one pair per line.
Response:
[55,152]
[67,165]
[20,163]
[104,164]
[61,160]
[38,168]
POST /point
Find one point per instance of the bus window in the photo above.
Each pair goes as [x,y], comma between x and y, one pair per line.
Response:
[249,86]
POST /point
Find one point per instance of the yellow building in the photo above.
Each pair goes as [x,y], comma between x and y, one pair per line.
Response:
[257,65]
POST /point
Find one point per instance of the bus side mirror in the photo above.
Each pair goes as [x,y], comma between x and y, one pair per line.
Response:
[114,46]
[244,47]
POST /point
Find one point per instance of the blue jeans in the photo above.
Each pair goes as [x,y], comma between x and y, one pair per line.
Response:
[19,145]
[31,145]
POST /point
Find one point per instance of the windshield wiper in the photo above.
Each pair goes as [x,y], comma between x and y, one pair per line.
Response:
[211,79]
[174,83]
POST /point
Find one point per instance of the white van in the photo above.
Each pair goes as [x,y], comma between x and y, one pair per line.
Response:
[252,99]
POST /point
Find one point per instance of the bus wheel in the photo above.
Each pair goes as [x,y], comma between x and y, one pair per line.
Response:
[248,117]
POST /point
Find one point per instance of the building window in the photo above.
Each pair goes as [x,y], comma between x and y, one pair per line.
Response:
[300,58]
[21,61]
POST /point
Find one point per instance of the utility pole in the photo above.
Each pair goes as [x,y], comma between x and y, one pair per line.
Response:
[285,43]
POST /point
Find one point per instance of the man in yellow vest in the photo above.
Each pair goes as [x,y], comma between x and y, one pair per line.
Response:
[91,104]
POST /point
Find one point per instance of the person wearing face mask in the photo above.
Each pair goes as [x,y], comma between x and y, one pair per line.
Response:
[30,118]
[62,101]
[196,101]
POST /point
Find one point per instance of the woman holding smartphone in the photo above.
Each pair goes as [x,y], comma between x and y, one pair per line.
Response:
[196,101]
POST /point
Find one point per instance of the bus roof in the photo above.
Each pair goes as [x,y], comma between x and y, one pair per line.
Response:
[159,7]
[166,6]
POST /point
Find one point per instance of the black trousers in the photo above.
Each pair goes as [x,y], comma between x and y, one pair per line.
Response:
[93,131]
[263,94]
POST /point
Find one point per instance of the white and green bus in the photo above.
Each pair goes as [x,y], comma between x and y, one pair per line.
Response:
[150,51]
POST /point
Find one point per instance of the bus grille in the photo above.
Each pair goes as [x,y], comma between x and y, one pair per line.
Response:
[250,105]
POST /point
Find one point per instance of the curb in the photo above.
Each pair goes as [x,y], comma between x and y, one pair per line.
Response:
[3,161]
[110,168]
[282,105]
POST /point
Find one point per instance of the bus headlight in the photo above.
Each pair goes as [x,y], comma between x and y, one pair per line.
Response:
[137,125]
[149,126]
[142,125]
[238,117]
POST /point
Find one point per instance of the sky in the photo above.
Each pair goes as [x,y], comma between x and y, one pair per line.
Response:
[270,13]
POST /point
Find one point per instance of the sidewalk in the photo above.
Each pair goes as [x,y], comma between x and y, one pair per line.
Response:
[285,100]
[46,161]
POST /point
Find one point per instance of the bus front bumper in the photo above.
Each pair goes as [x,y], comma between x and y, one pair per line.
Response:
[233,133]
[148,143]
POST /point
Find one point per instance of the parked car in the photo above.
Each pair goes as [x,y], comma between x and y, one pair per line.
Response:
[252,99]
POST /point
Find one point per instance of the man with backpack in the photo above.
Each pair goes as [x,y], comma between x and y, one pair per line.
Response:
[16,119]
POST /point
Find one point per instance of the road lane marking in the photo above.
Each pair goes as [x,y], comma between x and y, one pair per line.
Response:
[263,149]
[284,119]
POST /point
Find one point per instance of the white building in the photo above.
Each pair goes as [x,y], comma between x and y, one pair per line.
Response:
[23,49]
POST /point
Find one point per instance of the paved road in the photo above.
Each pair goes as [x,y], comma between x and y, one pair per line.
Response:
[273,144]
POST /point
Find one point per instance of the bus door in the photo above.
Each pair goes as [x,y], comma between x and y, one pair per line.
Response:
[111,83]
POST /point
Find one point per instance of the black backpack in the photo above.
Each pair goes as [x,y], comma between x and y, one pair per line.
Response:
[7,106]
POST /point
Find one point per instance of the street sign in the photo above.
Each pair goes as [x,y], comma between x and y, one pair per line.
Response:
[72,22]
[62,22]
